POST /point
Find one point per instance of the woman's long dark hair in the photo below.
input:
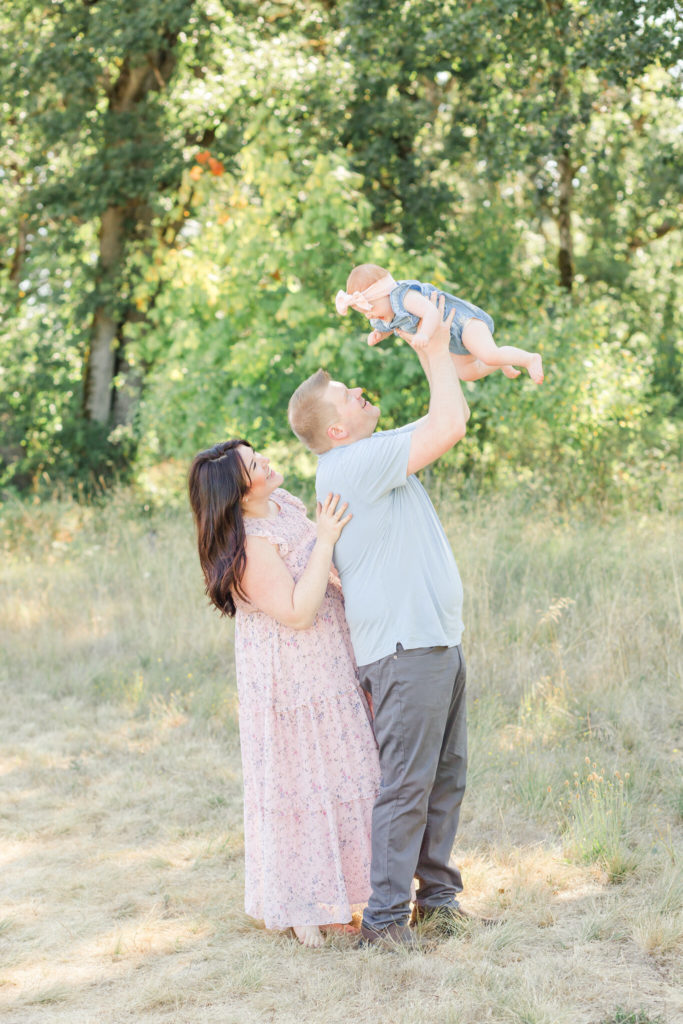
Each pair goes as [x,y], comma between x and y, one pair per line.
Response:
[217,482]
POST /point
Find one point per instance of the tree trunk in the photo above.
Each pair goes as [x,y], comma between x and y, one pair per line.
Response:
[560,14]
[130,378]
[17,266]
[105,356]
[101,356]
[564,219]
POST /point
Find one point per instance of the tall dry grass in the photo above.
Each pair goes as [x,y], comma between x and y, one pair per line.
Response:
[122,859]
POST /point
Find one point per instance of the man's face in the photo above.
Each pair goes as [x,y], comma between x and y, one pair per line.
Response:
[354,413]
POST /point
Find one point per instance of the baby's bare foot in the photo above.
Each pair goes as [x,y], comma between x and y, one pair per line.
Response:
[309,935]
[511,371]
[535,368]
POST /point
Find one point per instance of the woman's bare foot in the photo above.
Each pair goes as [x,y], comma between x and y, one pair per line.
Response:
[511,371]
[535,368]
[309,935]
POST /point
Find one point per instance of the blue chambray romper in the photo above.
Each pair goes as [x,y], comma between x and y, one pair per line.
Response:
[405,321]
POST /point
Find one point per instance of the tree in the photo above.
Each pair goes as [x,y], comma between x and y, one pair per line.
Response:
[108,105]
[557,69]
[396,54]
[500,87]
[187,184]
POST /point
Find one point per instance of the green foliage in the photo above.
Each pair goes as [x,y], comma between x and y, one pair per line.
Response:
[594,425]
[622,1016]
[43,437]
[595,814]
[397,54]
[240,335]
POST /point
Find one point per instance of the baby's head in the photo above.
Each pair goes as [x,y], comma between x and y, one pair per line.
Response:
[360,278]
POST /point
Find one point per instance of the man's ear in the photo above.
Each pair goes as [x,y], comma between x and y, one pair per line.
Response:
[336,432]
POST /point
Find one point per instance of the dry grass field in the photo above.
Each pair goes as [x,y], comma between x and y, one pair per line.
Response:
[121,856]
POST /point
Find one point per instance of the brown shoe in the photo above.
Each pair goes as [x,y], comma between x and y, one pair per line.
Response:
[393,937]
[450,920]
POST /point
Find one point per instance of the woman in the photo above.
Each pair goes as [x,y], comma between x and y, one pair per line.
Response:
[309,757]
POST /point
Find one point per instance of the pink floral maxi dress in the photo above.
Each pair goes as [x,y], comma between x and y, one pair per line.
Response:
[309,756]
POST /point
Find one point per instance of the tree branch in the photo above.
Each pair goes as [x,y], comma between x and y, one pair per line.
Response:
[638,241]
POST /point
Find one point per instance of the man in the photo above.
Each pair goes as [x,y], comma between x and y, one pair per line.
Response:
[403,600]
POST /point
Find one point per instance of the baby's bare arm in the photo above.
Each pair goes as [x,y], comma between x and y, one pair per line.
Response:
[427,312]
[374,337]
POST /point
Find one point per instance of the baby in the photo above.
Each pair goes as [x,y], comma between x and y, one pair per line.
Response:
[404,307]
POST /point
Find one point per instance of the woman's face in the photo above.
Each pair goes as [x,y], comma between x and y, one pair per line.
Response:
[264,480]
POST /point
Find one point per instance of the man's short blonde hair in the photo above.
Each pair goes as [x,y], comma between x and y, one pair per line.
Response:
[311,413]
[362,276]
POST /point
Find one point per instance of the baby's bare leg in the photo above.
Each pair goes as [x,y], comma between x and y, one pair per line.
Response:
[478,340]
[470,368]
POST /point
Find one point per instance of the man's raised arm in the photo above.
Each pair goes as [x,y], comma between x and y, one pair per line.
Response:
[445,423]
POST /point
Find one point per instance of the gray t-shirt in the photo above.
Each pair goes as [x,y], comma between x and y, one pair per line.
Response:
[398,573]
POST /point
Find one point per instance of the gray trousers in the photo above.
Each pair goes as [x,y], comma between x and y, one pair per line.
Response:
[421,729]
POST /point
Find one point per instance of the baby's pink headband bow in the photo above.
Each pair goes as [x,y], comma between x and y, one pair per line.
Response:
[364,300]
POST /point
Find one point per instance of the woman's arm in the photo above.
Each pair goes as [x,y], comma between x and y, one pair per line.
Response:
[269,585]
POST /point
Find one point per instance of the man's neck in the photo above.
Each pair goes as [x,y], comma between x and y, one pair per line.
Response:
[346,442]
